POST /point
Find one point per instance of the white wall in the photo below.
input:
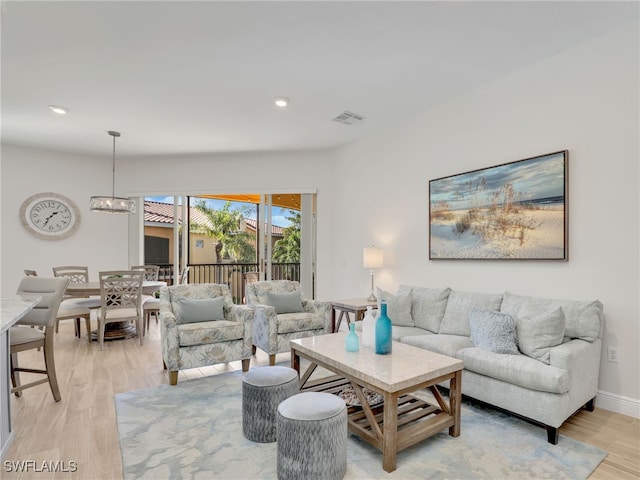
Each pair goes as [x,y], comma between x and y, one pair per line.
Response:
[584,100]
[375,191]
[100,241]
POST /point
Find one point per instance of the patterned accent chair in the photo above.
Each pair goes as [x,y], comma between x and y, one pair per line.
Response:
[197,330]
[272,331]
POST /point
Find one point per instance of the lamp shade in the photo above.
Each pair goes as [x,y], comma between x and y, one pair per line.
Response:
[372,257]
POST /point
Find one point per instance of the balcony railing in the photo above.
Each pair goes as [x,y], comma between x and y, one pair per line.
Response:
[231,274]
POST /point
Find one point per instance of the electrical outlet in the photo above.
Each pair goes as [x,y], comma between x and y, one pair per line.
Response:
[612,354]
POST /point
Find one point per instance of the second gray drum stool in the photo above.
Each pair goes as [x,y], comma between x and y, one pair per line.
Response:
[312,437]
[262,390]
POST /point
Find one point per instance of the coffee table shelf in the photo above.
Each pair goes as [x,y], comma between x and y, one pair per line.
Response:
[413,412]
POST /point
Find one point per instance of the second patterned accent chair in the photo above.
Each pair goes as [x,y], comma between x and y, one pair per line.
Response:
[200,326]
[283,314]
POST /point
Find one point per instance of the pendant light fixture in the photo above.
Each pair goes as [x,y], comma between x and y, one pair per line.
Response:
[113,204]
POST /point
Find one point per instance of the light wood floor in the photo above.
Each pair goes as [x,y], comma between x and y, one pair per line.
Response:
[82,427]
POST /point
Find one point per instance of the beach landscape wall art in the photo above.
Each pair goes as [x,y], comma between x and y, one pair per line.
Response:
[512,211]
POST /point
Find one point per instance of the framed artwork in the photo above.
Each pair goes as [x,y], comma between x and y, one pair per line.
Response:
[513,211]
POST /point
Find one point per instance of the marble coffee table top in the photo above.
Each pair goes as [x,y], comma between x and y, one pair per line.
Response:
[405,367]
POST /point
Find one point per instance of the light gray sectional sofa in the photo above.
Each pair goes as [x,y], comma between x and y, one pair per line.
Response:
[549,359]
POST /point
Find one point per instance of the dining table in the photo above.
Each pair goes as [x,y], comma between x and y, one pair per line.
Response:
[113,330]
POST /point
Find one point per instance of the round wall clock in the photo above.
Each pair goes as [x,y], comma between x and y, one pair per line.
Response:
[50,216]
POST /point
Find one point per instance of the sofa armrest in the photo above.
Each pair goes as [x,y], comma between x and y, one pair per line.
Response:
[324,308]
[168,333]
[582,360]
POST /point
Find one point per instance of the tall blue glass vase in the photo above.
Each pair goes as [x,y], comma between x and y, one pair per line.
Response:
[383,331]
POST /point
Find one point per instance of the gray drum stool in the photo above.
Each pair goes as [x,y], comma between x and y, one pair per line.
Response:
[262,390]
[312,437]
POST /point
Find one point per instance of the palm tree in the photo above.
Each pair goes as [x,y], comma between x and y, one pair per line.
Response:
[287,249]
[226,226]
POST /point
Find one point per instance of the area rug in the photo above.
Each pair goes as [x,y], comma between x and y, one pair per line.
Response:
[194,430]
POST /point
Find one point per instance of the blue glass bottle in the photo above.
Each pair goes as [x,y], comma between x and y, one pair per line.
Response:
[352,342]
[383,331]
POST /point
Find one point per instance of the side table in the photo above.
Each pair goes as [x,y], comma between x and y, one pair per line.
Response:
[357,306]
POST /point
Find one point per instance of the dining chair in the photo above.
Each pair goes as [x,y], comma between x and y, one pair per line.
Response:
[120,300]
[77,274]
[150,304]
[70,311]
[151,272]
[22,338]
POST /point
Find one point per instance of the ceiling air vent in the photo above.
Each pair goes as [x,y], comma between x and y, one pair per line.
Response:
[349,118]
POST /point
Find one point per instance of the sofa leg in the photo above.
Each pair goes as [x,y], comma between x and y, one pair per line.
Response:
[253,349]
[173,377]
[272,360]
[552,435]
[245,364]
[590,405]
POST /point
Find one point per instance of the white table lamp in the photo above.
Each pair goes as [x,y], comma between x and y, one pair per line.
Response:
[372,259]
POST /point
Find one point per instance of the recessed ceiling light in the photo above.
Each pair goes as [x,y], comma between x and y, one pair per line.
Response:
[281,101]
[60,110]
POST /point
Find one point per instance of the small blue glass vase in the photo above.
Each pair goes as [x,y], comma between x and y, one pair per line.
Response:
[352,343]
[383,331]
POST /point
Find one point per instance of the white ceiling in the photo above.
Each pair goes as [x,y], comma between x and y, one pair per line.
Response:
[195,77]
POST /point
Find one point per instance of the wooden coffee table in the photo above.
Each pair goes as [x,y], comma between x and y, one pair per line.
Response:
[401,420]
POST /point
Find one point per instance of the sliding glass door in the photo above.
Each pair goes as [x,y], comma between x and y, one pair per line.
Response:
[231,238]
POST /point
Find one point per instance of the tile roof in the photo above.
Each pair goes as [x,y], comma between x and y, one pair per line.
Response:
[157,212]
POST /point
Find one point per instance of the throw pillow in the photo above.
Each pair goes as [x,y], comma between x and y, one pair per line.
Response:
[583,318]
[459,304]
[398,307]
[427,305]
[289,302]
[493,331]
[200,310]
[536,335]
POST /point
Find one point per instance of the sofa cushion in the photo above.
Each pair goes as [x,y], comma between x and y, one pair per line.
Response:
[193,310]
[583,318]
[493,331]
[398,307]
[202,333]
[456,315]
[536,335]
[299,322]
[427,306]
[286,302]
[398,332]
[516,369]
[440,343]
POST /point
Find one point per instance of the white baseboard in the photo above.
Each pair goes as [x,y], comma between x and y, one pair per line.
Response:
[619,404]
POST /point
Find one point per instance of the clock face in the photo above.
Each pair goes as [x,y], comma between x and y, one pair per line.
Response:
[50,216]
